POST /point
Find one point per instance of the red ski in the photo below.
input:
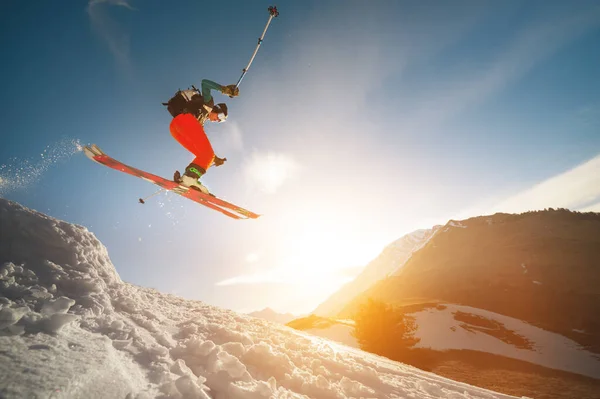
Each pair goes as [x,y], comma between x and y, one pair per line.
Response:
[97,155]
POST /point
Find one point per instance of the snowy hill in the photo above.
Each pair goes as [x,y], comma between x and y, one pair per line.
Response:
[539,267]
[70,327]
[271,315]
[390,261]
[334,329]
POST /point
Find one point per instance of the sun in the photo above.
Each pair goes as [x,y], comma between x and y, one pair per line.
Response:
[319,248]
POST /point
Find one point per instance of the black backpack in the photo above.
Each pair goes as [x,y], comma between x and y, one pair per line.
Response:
[185,102]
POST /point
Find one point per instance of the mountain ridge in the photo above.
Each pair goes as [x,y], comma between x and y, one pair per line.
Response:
[541,267]
[389,261]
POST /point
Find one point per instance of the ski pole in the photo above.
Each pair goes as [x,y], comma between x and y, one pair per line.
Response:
[272,13]
[143,200]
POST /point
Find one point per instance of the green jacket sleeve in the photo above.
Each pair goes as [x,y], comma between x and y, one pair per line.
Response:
[207,86]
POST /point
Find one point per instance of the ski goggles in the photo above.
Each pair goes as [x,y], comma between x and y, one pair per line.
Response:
[222,117]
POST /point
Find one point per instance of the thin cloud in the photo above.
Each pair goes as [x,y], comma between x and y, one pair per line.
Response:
[294,274]
[110,32]
[259,278]
[252,257]
[269,171]
[591,208]
[229,139]
[113,2]
[590,115]
[575,189]
[532,46]
[234,137]
[291,276]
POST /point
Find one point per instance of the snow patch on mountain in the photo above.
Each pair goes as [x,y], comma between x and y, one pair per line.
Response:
[405,247]
[455,223]
[451,326]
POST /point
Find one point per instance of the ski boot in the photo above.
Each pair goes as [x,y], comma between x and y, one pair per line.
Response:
[191,178]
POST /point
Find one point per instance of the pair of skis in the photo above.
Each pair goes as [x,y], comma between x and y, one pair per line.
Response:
[94,153]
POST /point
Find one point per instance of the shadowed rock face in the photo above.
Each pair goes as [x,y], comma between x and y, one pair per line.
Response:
[541,267]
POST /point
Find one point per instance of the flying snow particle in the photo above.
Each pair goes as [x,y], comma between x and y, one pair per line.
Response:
[20,174]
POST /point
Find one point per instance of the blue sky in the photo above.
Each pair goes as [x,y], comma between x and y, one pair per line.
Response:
[358,122]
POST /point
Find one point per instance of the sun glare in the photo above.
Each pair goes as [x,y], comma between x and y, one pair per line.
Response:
[269,171]
[319,251]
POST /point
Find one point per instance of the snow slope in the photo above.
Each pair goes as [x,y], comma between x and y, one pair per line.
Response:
[389,262]
[337,332]
[443,328]
[69,327]
[271,315]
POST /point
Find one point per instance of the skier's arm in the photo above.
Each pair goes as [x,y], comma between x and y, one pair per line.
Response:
[208,85]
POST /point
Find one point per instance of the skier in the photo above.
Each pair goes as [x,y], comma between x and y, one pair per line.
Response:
[190,110]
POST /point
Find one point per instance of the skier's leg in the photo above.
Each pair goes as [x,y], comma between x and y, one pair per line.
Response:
[190,134]
[183,130]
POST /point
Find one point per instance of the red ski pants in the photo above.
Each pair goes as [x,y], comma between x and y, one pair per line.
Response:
[186,129]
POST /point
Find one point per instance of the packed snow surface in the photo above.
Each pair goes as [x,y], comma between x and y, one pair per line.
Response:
[271,315]
[337,332]
[69,327]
